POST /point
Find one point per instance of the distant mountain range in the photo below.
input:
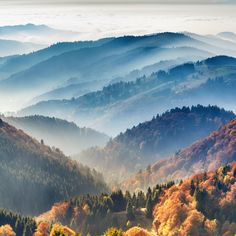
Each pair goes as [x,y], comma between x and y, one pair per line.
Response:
[123,104]
[58,133]
[13,65]
[228,35]
[40,34]
[120,54]
[13,47]
[34,176]
[98,63]
[152,140]
[24,39]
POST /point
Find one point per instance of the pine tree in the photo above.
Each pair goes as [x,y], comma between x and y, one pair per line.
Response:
[129,211]
[192,188]
[149,193]
[149,207]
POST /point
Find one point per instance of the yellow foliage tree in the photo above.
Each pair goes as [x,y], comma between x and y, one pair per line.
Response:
[60,230]
[137,231]
[6,230]
[114,232]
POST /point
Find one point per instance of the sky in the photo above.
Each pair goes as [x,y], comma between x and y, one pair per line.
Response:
[93,21]
[119,1]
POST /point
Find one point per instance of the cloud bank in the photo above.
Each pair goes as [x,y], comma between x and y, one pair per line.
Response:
[119,1]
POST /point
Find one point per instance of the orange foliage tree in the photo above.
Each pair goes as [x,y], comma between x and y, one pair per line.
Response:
[6,230]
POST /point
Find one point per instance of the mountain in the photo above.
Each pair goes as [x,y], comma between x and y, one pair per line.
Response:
[101,63]
[78,89]
[228,47]
[115,58]
[149,141]
[13,47]
[34,176]
[18,63]
[206,154]
[41,34]
[124,104]
[150,69]
[180,86]
[58,133]
[228,35]
[68,91]
[78,62]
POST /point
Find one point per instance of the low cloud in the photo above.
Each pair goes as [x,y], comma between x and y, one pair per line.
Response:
[120,1]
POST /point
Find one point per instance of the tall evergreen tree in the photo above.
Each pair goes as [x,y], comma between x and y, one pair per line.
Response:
[149,207]
[129,211]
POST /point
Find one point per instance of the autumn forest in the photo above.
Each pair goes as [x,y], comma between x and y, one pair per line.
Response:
[117,118]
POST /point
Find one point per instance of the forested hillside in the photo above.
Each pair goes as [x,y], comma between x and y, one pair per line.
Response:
[66,136]
[123,104]
[118,209]
[34,176]
[204,155]
[203,204]
[149,141]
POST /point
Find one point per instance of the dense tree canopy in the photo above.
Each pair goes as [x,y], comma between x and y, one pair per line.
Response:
[34,176]
[119,210]
[151,140]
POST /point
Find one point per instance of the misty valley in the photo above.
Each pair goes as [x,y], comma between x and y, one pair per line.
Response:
[127,135]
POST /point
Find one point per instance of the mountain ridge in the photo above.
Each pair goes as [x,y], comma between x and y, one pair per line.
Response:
[204,155]
[151,140]
[33,175]
[66,136]
[128,103]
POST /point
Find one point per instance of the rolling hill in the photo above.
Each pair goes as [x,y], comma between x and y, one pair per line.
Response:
[34,176]
[204,155]
[228,35]
[75,89]
[149,141]
[13,47]
[124,104]
[13,65]
[65,135]
[79,62]
[40,34]
[102,63]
